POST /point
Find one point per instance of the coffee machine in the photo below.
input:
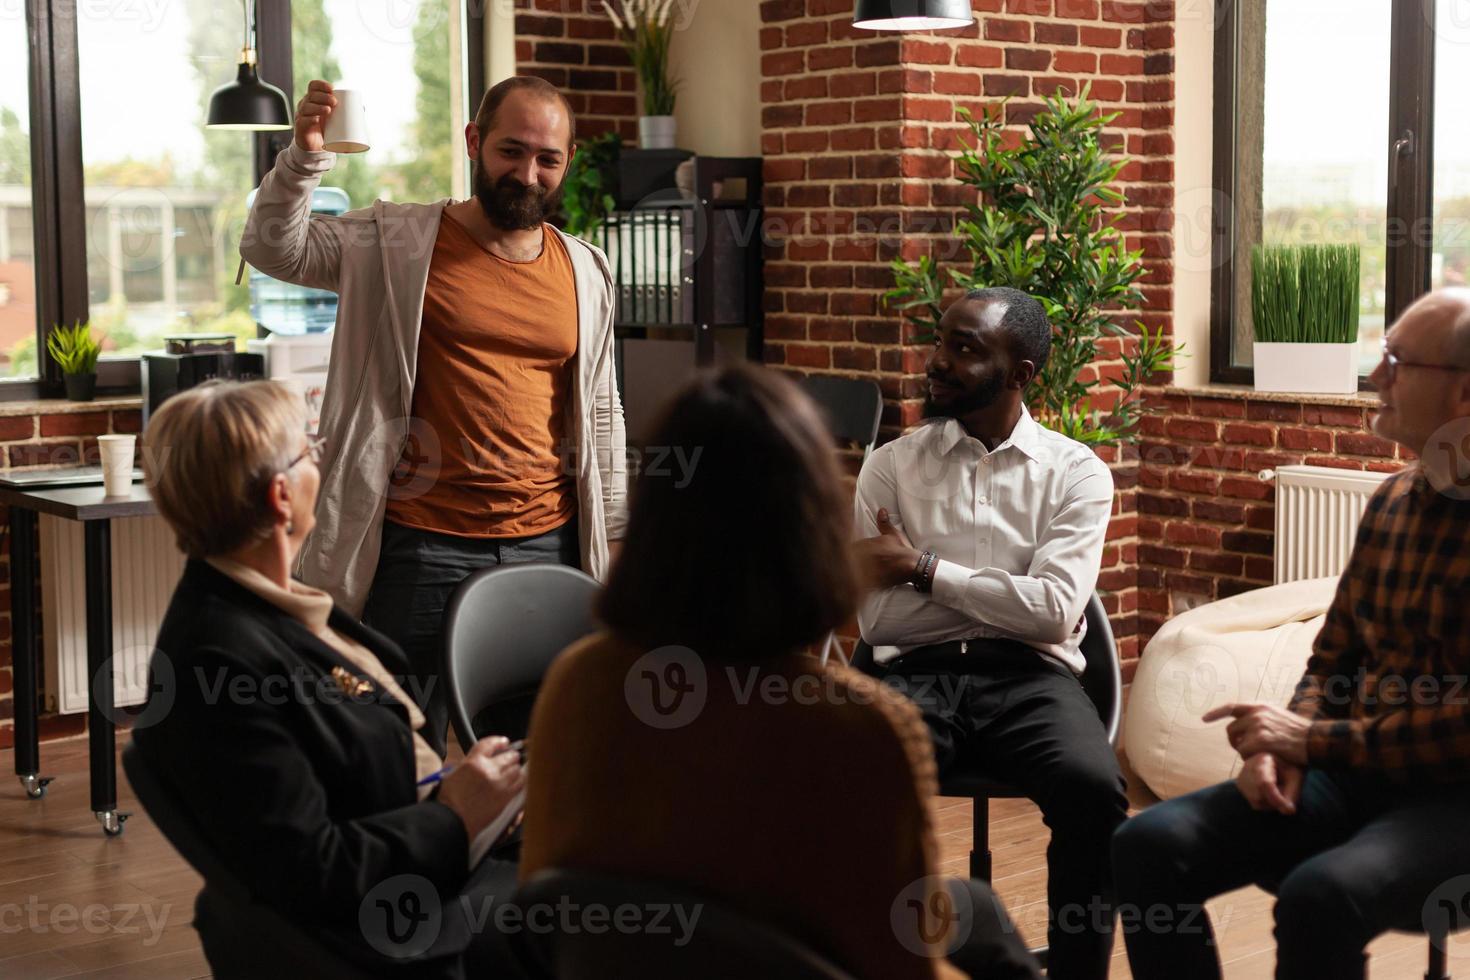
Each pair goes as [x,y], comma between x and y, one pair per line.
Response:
[190,359]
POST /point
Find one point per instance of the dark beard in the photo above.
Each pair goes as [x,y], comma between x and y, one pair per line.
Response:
[971,401]
[512,206]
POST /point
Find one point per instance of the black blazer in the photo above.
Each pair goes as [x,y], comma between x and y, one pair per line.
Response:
[306,794]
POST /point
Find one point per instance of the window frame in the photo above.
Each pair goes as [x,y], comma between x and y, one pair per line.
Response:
[58,207]
[1409,193]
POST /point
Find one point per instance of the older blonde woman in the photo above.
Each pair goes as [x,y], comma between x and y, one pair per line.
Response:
[289,735]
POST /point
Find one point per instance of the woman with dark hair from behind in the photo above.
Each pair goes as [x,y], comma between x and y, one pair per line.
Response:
[696,742]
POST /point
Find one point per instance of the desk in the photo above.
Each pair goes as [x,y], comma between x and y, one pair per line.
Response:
[95,511]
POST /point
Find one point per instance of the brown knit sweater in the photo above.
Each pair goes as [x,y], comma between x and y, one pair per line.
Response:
[806,811]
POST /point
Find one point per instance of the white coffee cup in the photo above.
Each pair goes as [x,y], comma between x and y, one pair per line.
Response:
[346,129]
[117,464]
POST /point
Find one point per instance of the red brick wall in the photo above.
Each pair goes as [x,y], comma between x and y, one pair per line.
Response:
[29,441]
[1206,523]
[572,45]
[859,129]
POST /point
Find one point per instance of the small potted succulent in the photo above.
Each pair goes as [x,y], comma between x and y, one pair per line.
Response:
[1304,312]
[75,351]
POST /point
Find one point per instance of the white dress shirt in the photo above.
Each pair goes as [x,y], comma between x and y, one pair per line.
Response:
[1018,530]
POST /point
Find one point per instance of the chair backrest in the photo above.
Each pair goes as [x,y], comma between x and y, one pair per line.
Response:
[853,407]
[697,937]
[502,629]
[1102,680]
[284,948]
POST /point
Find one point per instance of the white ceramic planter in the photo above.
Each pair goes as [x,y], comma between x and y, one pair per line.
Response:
[1323,368]
[655,132]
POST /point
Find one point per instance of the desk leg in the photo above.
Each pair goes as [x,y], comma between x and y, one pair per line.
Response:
[23,650]
[101,744]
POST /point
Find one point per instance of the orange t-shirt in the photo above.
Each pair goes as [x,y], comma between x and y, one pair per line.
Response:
[485,454]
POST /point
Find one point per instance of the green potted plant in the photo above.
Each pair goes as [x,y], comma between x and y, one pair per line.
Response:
[1304,315]
[75,351]
[644,28]
[586,201]
[1043,222]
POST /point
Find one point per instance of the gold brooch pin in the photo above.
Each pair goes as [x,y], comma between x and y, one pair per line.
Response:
[351,685]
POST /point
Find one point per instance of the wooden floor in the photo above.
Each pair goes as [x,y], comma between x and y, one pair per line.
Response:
[76,904]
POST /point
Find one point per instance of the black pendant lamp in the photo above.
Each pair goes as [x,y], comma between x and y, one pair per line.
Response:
[912,15]
[248,103]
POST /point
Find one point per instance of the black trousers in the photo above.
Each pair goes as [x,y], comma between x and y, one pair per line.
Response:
[417,573]
[1004,710]
[1362,855]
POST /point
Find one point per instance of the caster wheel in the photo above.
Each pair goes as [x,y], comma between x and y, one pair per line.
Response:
[112,822]
[35,786]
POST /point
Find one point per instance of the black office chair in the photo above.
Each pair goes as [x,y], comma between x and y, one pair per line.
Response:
[723,944]
[853,410]
[502,629]
[853,407]
[262,941]
[1103,682]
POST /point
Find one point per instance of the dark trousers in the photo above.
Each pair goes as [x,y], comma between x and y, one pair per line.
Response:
[1361,856]
[417,573]
[992,949]
[1004,710]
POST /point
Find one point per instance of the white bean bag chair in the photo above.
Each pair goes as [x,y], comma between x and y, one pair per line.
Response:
[1249,647]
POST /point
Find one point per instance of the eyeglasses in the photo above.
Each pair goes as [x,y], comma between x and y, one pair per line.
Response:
[314,446]
[1395,362]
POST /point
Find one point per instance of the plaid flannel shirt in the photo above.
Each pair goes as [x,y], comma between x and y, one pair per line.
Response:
[1386,686]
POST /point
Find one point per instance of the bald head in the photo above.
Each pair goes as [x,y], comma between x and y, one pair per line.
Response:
[1435,329]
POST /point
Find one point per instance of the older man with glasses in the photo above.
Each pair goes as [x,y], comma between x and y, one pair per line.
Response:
[1353,800]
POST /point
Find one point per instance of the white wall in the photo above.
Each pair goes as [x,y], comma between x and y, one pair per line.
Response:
[716,55]
[1194,38]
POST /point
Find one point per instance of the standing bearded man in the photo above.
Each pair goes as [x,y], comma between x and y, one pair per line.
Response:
[471,416]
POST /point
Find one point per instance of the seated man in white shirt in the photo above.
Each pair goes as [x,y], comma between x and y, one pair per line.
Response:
[984,538]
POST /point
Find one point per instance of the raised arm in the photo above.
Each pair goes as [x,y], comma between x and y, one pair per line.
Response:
[282,238]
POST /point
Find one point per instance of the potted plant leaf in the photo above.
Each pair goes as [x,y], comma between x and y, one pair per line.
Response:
[75,351]
[586,198]
[1045,220]
[1304,314]
[644,28]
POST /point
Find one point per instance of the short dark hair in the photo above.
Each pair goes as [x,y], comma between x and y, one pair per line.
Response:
[1025,321]
[746,553]
[500,91]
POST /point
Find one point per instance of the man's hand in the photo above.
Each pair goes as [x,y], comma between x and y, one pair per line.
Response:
[889,558]
[312,113]
[1261,728]
[1270,784]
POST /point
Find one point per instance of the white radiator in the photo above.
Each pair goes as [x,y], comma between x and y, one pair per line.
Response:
[146,565]
[1317,514]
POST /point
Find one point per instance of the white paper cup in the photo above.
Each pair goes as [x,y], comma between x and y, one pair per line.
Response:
[117,464]
[346,129]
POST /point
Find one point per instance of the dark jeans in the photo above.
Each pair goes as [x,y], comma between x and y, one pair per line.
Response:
[1361,856]
[417,573]
[1004,710]
[993,949]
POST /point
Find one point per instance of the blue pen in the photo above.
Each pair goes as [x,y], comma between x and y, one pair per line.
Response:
[516,746]
[435,777]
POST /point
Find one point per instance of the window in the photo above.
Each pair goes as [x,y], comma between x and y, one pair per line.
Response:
[133,215]
[401,58]
[17,225]
[1348,163]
